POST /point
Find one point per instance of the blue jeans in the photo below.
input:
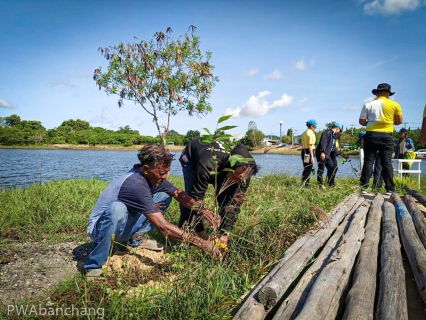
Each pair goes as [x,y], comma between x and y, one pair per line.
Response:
[126,227]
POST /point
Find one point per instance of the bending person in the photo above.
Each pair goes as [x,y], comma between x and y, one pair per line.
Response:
[230,184]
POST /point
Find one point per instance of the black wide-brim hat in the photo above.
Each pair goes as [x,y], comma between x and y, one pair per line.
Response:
[383,87]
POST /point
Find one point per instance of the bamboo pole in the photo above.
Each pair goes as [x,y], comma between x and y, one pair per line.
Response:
[294,302]
[392,302]
[326,297]
[419,219]
[275,288]
[421,198]
[414,249]
[252,308]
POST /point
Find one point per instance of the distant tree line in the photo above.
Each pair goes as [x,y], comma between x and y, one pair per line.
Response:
[17,132]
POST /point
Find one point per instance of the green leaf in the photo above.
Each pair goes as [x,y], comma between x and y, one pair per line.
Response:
[205,139]
[224,118]
[207,130]
[222,137]
[228,169]
[239,158]
[212,172]
[226,128]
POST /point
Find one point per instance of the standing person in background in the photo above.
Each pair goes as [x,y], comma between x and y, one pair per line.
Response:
[423,132]
[379,116]
[404,146]
[377,172]
[337,150]
[308,147]
[326,145]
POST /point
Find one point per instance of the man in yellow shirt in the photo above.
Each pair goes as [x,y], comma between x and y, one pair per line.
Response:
[423,132]
[308,146]
[379,116]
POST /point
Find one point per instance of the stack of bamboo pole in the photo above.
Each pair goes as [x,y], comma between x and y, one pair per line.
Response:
[352,276]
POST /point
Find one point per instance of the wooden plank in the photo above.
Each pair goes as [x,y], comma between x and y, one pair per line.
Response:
[326,297]
[294,302]
[275,288]
[419,219]
[360,299]
[392,302]
[421,198]
[414,248]
[252,308]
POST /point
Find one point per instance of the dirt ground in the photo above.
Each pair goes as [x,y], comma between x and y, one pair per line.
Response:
[30,269]
[27,270]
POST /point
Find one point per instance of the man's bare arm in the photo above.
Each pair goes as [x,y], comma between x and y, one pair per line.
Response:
[363,122]
[173,232]
[398,119]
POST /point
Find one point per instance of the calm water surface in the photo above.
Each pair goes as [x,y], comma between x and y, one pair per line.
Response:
[23,167]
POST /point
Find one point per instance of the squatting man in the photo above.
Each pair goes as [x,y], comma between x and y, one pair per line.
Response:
[131,205]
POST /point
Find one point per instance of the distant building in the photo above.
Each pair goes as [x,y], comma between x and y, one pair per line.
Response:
[237,137]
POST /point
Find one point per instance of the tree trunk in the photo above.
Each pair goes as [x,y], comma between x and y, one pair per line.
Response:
[251,308]
[294,303]
[414,249]
[421,198]
[392,303]
[419,219]
[275,288]
[360,299]
[327,294]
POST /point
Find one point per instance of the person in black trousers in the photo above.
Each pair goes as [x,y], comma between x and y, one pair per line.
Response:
[326,146]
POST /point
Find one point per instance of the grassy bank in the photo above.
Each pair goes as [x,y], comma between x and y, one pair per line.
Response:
[275,213]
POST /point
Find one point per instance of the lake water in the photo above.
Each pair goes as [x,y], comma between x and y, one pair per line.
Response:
[22,167]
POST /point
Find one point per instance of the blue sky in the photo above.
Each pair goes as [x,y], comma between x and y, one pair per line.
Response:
[277,61]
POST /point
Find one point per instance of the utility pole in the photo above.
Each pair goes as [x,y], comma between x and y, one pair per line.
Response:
[352,127]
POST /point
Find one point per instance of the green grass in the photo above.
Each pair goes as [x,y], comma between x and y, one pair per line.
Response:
[274,215]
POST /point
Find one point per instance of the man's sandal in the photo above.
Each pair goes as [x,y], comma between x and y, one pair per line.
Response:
[148,244]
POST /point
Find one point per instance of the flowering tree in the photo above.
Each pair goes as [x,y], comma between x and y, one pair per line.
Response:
[162,75]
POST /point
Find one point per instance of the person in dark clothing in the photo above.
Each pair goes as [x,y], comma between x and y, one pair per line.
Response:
[230,183]
[377,169]
[325,147]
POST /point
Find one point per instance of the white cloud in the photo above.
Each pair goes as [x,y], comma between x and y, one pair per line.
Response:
[351,107]
[274,75]
[251,72]
[61,82]
[301,102]
[258,106]
[391,7]
[368,99]
[379,63]
[300,65]
[6,105]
